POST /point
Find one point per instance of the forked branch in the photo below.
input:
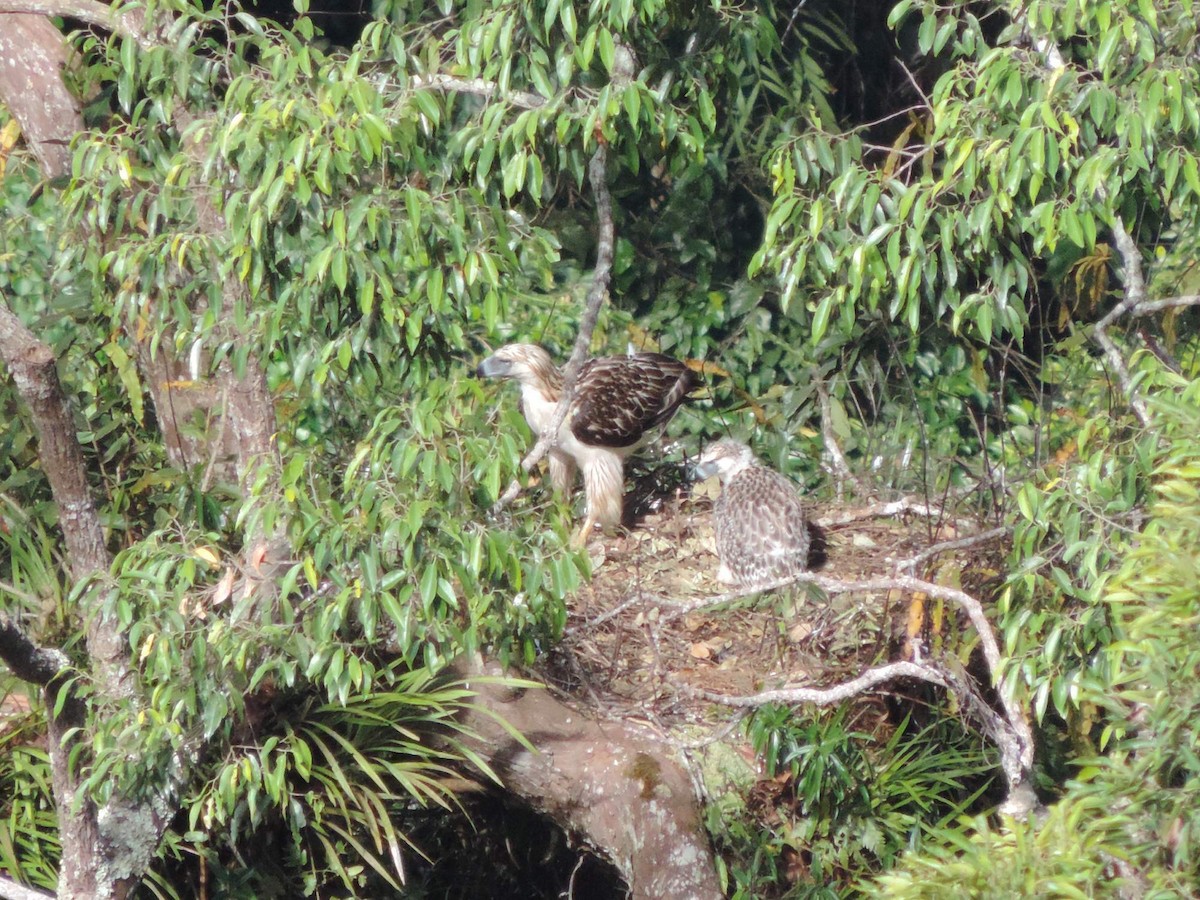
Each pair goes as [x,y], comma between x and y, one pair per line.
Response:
[25,659]
[93,12]
[1010,730]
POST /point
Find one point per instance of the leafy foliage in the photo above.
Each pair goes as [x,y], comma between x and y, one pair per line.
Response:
[1127,820]
[361,219]
[29,847]
[838,805]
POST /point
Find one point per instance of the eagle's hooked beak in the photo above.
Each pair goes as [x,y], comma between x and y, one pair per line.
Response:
[702,470]
[493,368]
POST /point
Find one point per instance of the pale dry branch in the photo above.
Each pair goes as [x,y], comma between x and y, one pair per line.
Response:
[601,275]
[973,540]
[838,693]
[1135,295]
[479,87]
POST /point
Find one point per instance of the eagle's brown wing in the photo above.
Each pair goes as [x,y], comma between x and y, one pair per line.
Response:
[620,399]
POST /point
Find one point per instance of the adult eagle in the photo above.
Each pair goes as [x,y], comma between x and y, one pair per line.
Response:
[619,404]
[762,530]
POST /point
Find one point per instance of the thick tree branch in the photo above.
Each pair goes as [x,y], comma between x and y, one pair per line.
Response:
[628,795]
[246,405]
[128,24]
[27,660]
[32,59]
[33,368]
[601,275]
[10,890]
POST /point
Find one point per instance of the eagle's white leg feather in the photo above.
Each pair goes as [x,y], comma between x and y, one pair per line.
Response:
[604,483]
[562,472]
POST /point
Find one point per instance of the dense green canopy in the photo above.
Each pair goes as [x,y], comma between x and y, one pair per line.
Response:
[955,239]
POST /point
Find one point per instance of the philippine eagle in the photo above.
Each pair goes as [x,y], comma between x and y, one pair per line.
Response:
[762,529]
[619,404]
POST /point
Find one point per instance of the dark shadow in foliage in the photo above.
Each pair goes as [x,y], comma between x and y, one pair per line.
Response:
[501,850]
[340,23]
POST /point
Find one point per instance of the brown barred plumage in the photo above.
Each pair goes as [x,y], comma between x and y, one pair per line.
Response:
[761,526]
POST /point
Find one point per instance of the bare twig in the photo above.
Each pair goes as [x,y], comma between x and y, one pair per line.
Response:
[1135,295]
[477,86]
[617,610]
[595,299]
[820,696]
[959,544]
[916,85]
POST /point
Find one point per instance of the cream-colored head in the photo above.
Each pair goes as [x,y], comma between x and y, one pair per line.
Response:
[725,459]
[527,363]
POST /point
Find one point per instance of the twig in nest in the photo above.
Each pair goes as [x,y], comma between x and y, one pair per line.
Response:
[983,537]
[882,511]
[591,624]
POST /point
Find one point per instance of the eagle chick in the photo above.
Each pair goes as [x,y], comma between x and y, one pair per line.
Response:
[761,526]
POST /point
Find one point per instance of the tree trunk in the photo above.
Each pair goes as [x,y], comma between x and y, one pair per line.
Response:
[627,795]
[32,57]
[31,86]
